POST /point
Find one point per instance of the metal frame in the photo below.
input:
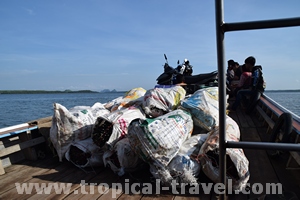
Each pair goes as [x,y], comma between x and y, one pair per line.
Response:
[221,28]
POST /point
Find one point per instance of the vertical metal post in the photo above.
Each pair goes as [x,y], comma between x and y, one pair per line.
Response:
[222,94]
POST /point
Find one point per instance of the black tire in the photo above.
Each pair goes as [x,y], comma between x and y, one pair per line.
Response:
[283,123]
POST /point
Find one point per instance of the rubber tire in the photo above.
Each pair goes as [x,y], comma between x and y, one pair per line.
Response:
[284,122]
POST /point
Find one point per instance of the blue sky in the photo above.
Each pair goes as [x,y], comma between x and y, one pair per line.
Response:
[118,44]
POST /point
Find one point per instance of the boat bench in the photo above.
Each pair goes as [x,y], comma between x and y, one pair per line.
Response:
[18,138]
[269,113]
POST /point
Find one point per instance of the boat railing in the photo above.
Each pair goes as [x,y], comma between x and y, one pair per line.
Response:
[281,108]
[18,138]
[221,29]
[277,109]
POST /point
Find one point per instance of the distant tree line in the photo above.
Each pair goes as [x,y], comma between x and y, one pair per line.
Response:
[43,91]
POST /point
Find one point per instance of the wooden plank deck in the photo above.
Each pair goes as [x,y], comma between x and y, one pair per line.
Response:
[263,169]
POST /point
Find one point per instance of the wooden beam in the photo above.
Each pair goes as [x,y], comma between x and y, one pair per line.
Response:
[267,119]
[23,145]
[2,171]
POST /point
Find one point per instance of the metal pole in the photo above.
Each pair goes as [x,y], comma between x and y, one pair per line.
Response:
[222,94]
[264,145]
[263,24]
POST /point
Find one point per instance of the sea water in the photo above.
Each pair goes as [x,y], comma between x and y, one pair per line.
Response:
[288,99]
[21,108]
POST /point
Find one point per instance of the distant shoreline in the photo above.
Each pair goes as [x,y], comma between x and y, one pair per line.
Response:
[51,91]
[88,91]
[282,90]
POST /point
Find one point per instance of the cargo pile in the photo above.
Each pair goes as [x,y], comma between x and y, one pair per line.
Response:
[176,135]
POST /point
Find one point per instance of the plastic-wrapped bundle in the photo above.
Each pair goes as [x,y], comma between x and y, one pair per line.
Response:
[182,168]
[85,153]
[121,159]
[159,140]
[130,98]
[73,125]
[112,127]
[238,164]
[159,101]
[204,107]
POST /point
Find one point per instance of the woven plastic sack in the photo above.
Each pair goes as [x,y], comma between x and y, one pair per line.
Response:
[208,155]
[204,107]
[159,101]
[113,127]
[115,102]
[72,125]
[133,97]
[85,153]
[192,144]
[159,140]
[182,168]
[121,159]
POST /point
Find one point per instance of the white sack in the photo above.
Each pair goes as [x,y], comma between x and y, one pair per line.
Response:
[127,160]
[92,154]
[204,107]
[159,140]
[159,101]
[72,125]
[119,120]
[240,173]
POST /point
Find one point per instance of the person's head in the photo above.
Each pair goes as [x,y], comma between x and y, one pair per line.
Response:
[236,65]
[230,64]
[186,61]
[250,62]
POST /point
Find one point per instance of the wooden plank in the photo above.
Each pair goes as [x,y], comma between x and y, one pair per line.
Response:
[40,121]
[16,129]
[21,146]
[2,171]
[277,110]
[26,172]
[162,195]
[43,177]
[28,152]
[98,185]
[188,198]
[242,121]
[73,179]
[290,179]
[271,124]
[267,119]
[296,157]
[261,169]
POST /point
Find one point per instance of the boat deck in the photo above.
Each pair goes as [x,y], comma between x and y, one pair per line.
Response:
[263,170]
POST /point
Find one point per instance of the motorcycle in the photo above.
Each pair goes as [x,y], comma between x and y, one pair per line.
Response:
[173,76]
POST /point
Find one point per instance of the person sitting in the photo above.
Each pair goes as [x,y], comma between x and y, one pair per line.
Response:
[230,71]
[238,70]
[243,88]
[186,68]
[257,88]
[245,79]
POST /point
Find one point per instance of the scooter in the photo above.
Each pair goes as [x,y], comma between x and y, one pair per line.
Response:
[171,76]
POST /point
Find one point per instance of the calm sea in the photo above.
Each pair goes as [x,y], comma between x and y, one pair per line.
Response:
[289,100]
[20,108]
